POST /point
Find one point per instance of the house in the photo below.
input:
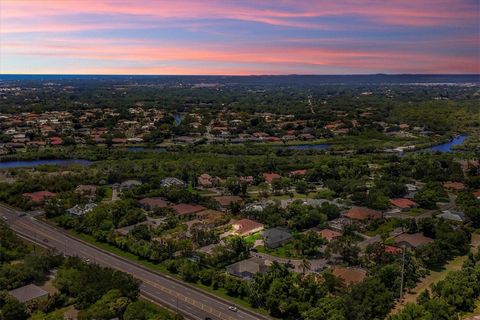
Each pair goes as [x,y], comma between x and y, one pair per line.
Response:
[270,177]
[403,203]
[172,182]
[88,190]
[39,196]
[329,234]
[28,293]
[79,210]
[476,194]
[362,213]
[275,237]
[414,240]
[249,180]
[183,209]
[209,218]
[225,201]
[129,184]
[124,231]
[339,223]
[246,269]
[369,241]
[455,186]
[208,249]
[452,216]
[392,250]
[411,190]
[205,180]
[350,275]
[245,227]
[297,173]
[153,203]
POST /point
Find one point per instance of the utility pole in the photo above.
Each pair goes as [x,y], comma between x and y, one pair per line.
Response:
[403,271]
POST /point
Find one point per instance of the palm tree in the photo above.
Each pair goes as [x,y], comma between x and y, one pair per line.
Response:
[305,265]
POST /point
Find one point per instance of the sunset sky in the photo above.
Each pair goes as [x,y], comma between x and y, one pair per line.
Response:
[239,37]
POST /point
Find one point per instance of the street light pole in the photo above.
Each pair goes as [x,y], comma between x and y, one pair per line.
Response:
[402,274]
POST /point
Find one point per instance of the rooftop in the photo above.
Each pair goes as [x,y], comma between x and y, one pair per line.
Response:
[350,275]
[187,209]
[403,203]
[362,213]
[28,293]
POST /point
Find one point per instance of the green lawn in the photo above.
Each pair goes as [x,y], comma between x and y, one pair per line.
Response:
[414,212]
[252,238]
[108,193]
[385,228]
[284,251]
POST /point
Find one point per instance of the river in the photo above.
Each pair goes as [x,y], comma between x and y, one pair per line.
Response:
[35,163]
[447,146]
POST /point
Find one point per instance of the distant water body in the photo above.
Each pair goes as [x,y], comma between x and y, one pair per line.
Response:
[447,146]
[321,146]
[36,163]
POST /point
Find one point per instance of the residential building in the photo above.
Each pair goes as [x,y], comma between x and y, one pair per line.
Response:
[184,209]
[270,177]
[414,240]
[350,275]
[153,203]
[403,203]
[39,196]
[245,227]
[28,293]
[362,213]
[329,234]
[225,201]
[172,182]
[246,269]
[275,237]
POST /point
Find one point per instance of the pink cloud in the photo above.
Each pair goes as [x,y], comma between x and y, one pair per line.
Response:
[121,51]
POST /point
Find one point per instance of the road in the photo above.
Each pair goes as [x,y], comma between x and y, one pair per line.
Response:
[158,288]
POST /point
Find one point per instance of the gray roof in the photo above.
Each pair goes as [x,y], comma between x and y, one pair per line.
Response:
[448,215]
[246,269]
[130,184]
[172,181]
[28,293]
[275,236]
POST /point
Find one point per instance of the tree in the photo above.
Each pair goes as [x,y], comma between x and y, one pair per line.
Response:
[367,300]
[13,310]
[305,265]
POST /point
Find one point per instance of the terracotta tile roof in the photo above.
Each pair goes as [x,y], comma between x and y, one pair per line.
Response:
[403,203]
[454,185]
[350,275]
[362,213]
[187,209]
[246,226]
[225,201]
[269,177]
[477,193]
[39,196]
[329,235]
[392,250]
[300,172]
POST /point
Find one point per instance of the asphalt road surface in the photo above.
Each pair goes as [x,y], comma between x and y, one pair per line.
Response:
[161,289]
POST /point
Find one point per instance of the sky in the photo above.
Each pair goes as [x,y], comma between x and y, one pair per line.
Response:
[232,37]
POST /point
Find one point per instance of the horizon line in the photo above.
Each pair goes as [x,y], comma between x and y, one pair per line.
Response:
[241,75]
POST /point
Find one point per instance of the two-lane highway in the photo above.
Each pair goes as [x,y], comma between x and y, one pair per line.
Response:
[191,302]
